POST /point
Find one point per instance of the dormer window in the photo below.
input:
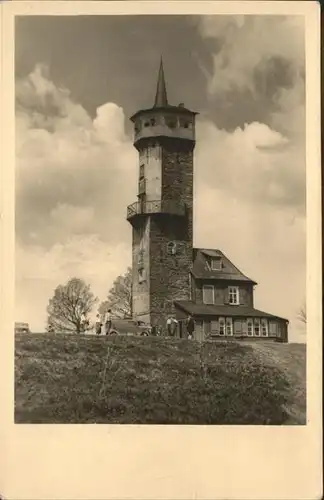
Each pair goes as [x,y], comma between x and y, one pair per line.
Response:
[152,122]
[216,264]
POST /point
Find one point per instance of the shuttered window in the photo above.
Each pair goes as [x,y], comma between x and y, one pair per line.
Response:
[214,326]
[273,328]
[206,327]
[208,294]
[237,326]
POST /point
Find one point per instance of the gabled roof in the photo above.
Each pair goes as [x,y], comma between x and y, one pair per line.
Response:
[202,270]
[213,310]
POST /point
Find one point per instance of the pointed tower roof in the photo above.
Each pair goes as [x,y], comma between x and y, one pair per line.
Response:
[161,99]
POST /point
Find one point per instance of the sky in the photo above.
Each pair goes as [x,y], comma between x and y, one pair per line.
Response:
[79,79]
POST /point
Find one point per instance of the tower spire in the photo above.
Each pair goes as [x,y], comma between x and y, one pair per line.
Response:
[161,99]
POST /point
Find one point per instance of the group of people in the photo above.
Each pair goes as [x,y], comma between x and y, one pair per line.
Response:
[172,326]
[103,323]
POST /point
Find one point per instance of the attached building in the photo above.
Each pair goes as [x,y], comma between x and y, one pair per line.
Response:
[222,302]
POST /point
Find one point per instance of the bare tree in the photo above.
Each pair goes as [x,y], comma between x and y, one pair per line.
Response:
[119,299]
[68,308]
[302,316]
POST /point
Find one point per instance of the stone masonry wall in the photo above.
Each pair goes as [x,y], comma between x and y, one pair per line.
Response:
[141,291]
[169,280]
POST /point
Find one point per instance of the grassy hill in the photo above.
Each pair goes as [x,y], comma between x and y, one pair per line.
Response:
[86,379]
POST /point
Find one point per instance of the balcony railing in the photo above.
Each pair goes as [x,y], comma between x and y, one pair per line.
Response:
[155,207]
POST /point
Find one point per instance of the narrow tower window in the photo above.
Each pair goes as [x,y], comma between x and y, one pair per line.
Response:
[171,123]
[141,275]
[184,123]
[138,126]
[172,248]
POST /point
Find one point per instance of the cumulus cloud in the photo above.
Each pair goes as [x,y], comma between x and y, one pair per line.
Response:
[258,74]
[253,163]
[74,178]
[246,44]
[64,157]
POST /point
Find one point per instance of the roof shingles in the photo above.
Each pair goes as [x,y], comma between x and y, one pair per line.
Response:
[224,310]
[202,269]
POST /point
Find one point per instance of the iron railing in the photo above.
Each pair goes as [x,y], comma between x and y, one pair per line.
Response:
[154,207]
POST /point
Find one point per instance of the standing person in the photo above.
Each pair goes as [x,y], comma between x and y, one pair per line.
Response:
[83,322]
[174,326]
[98,324]
[108,321]
[169,326]
[190,326]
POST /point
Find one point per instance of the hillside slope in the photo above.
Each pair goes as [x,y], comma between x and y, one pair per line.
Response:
[71,379]
[290,359]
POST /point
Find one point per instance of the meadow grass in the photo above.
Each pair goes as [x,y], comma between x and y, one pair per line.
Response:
[128,380]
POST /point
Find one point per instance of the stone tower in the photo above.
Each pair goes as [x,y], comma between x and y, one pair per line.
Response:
[162,216]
